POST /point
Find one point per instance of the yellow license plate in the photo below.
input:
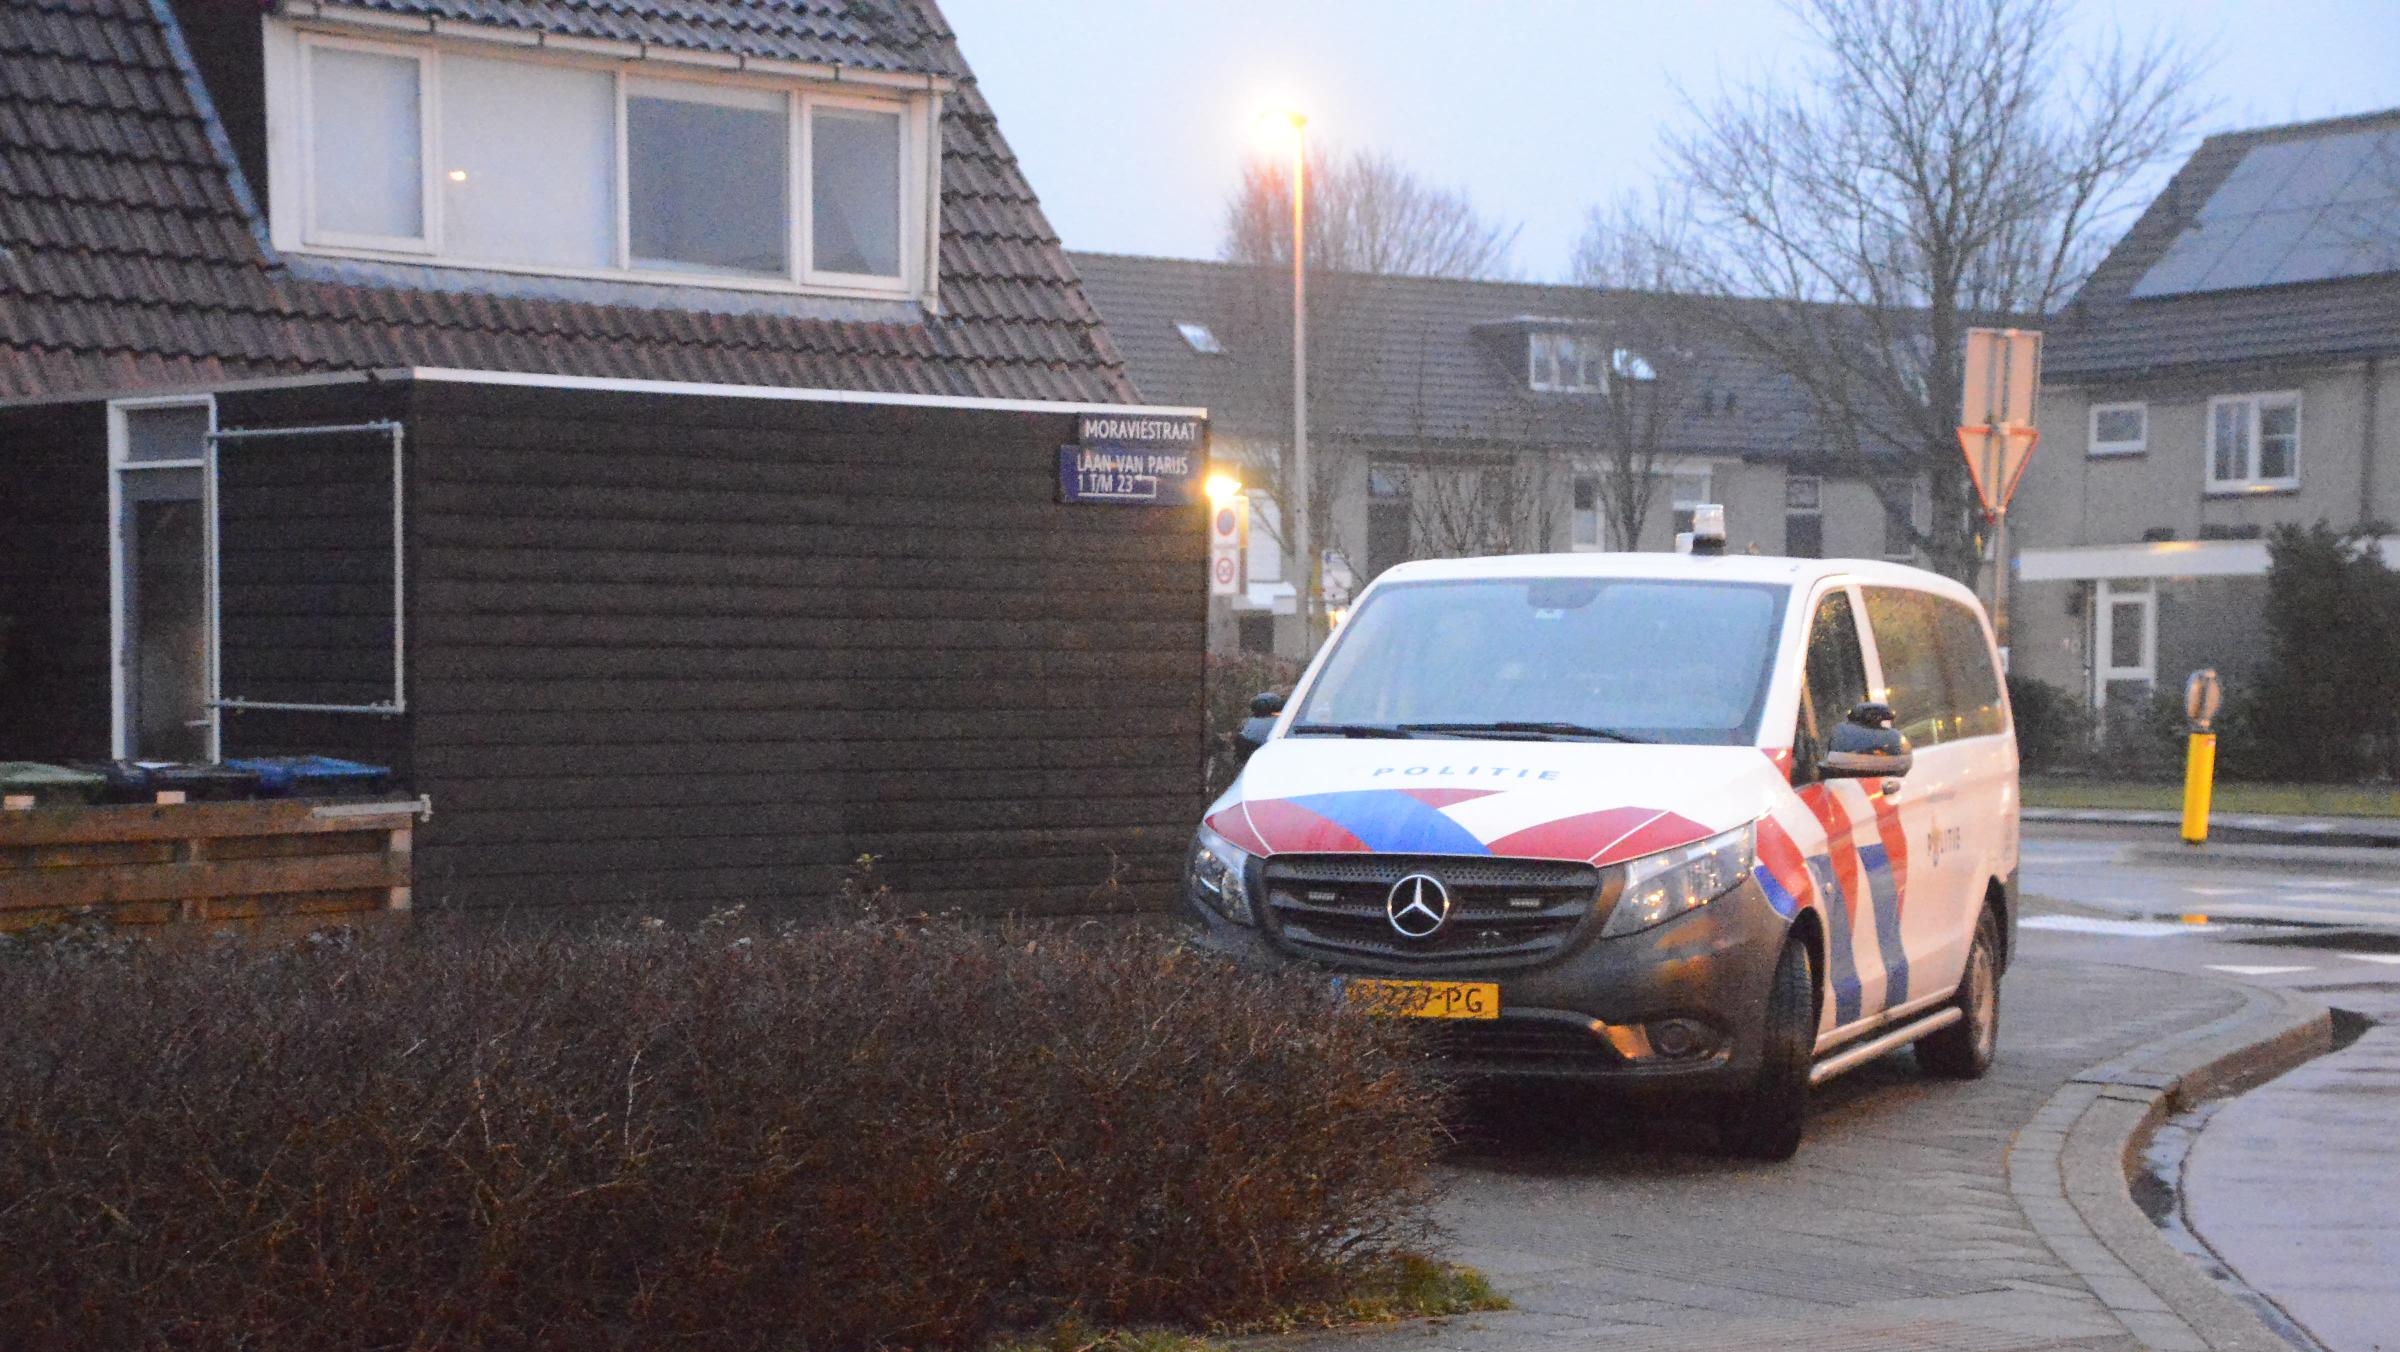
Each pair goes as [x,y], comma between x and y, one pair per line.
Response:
[1424,999]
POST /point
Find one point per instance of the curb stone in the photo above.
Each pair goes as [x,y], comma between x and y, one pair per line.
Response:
[2068,1167]
[2238,827]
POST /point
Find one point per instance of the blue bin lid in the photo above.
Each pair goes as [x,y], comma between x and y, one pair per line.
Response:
[308,767]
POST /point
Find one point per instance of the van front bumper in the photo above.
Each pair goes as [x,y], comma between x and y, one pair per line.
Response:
[1604,1010]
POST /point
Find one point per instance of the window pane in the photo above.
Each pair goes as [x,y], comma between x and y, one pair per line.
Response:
[2117,426]
[855,177]
[528,163]
[2278,440]
[1837,673]
[1800,492]
[705,176]
[364,154]
[1973,682]
[176,432]
[2231,433]
[1682,662]
[1912,664]
[2125,633]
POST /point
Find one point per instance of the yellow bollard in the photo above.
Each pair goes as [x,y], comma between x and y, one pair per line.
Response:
[2199,777]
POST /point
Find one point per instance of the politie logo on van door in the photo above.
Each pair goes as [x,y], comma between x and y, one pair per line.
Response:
[1135,459]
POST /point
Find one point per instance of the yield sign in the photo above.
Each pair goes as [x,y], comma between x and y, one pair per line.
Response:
[1996,458]
[2003,371]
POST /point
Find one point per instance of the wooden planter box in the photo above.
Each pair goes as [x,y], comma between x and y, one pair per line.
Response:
[276,867]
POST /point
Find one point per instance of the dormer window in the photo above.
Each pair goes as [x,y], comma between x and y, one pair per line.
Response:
[482,156]
[1567,363]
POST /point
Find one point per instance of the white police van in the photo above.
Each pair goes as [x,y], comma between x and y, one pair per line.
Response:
[1711,825]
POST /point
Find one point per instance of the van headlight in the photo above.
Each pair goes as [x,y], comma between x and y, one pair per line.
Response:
[1216,876]
[1662,886]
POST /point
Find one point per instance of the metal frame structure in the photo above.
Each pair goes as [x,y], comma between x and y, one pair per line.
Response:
[398,704]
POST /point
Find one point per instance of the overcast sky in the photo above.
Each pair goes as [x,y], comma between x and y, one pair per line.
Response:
[1133,116]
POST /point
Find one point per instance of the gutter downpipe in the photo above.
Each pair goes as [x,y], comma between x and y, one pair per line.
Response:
[2368,439]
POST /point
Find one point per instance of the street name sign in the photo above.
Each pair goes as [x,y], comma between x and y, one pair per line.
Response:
[1135,460]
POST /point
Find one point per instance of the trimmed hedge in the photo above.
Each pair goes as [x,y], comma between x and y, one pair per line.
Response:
[805,1138]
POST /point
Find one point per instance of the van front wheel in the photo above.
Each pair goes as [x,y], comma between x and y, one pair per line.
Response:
[1765,1122]
[1964,1050]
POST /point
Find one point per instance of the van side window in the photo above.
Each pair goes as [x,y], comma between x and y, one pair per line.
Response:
[1975,704]
[1908,637]
[1837,673]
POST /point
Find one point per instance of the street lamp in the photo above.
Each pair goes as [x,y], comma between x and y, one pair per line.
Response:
[1303,546]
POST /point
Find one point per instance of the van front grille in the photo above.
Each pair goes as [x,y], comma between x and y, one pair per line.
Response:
[1503,912]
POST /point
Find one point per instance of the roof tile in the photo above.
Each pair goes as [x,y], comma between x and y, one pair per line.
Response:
[132,259]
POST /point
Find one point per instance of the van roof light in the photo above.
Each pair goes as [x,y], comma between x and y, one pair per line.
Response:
[1708,528]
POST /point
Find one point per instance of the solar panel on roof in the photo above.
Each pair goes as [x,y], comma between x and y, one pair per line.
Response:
[2293,211]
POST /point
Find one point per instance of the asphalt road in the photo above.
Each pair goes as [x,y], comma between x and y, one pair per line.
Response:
[1895,1228]
[2149,875]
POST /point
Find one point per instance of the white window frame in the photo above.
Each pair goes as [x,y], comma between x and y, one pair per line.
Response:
[2097,449]
[1580,363]
[2250,481]
[2107,597]
[120,464]
[429,239]
[804,104]
[292,189]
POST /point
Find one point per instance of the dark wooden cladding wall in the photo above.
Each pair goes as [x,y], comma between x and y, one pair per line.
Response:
[677,649]
[54,626]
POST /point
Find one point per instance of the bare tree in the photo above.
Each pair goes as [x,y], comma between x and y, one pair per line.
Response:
[1944,163]
[1366,213]
[1632,254]
[1368,217]
[1498,506]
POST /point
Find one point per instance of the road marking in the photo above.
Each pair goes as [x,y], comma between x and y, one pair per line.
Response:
[2387,959]
[2256,971]
[2091,924]
[2216,891]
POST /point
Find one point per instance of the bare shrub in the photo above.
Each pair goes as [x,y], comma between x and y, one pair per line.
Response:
[726,1137]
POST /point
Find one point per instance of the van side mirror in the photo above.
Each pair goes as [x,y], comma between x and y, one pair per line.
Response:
[1264,706]
[1866,746]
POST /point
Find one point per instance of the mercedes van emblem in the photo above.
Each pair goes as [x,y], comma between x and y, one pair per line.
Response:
[1418,906]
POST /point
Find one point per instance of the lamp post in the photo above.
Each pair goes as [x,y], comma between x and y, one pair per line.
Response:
[1303,542]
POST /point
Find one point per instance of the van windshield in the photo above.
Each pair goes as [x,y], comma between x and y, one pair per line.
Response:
[1629,659]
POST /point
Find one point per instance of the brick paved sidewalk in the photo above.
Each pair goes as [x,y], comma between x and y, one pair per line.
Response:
[1894,1229]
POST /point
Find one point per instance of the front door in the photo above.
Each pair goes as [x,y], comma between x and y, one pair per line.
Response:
[162,584]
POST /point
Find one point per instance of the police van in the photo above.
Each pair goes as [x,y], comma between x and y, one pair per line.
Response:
[1722,827]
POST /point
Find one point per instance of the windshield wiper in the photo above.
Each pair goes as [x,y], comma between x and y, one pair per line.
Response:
[1528,730]
[1348,730]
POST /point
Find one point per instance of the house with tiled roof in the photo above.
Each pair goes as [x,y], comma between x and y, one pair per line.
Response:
[646,426]
[1453,416]
[2228,368]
